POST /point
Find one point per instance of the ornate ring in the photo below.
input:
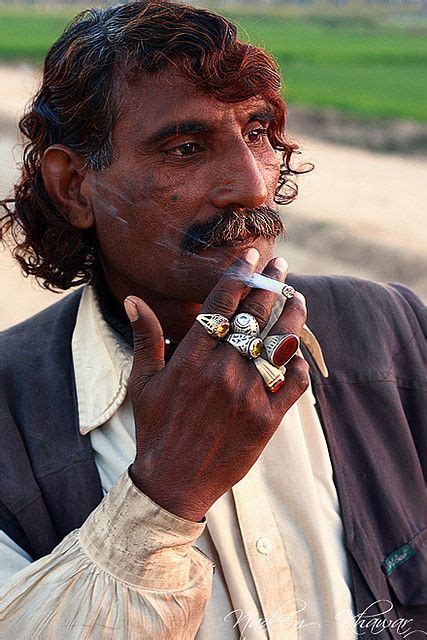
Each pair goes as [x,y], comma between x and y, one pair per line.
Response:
[248,346]
[245,323]
[280,349]
[214,323]
[273,377]
[288,291]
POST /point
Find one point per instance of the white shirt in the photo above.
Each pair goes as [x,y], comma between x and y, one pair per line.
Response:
[135,570]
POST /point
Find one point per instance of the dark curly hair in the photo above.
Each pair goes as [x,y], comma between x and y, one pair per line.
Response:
[76,106]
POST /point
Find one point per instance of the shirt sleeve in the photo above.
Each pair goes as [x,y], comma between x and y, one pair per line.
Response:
[129,572]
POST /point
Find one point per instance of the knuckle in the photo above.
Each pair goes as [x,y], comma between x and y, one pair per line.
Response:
[226,369]
[300,372]
[231,374]
[276,274]
[229,386]
[299,296]
[262,423]
[260,428]
[222,301]
[260,310]
[299,308]
[142,342]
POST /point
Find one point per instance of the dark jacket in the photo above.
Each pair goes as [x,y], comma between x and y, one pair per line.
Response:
[372,408]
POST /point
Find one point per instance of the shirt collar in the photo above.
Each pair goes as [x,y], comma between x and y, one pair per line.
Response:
[102,364]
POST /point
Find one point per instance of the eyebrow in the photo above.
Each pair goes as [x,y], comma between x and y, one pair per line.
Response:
[264,114]
[170,130]
[178,128]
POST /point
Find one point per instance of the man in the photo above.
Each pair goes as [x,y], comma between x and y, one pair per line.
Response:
[156,155]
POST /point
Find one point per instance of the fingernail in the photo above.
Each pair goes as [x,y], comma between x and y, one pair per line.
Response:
[131,310]
[252,256]
[281,264]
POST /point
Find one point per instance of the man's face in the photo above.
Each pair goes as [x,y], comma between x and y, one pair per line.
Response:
[181,159]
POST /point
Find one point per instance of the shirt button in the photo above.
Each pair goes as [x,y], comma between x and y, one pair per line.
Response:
[263,545]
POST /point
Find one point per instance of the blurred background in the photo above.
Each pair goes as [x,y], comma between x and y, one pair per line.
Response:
[355,83]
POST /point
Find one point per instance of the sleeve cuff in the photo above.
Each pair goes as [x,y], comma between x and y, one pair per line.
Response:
[137,541]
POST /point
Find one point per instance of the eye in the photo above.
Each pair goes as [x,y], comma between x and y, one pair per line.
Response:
[186,149]
[256,135]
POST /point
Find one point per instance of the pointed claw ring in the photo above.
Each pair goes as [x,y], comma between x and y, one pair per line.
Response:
[215,324]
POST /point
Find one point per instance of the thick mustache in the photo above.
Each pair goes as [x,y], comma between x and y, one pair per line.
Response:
[229,225]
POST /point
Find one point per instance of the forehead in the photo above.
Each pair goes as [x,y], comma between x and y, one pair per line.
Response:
[155,100]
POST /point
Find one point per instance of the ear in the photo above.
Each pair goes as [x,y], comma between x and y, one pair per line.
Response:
[64,174]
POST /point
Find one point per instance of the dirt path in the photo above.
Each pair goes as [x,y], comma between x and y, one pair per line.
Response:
[359,212]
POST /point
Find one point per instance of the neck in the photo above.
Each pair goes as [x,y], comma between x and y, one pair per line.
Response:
[175,316]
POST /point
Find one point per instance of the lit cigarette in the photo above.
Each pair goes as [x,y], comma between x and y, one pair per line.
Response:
[257,281]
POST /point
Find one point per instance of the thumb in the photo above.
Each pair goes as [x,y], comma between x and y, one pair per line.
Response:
[148,341]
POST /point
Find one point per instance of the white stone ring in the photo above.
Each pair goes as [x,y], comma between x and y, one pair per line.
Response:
[245,323]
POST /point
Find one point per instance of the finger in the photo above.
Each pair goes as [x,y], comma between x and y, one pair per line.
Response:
[296,382]
[148,341]
[223,299]
[293,316]
[259,302]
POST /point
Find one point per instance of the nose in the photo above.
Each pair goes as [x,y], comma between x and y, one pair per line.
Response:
[239,181]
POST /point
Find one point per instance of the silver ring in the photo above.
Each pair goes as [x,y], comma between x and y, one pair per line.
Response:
[214,323]
[274,378]
[247,346]
[279,349]
[245,323]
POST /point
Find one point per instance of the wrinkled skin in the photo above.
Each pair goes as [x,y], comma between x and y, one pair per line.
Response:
[203,418]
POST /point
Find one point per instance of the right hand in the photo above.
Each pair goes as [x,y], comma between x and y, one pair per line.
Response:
[203,419]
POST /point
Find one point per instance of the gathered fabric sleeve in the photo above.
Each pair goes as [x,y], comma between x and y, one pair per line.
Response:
[129,572]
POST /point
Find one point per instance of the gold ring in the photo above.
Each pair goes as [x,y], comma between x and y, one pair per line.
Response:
[247,346]
[274,378]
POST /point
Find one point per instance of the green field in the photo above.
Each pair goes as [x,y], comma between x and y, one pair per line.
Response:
[366,66]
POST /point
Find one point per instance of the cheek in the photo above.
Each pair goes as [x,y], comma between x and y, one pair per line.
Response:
[133,213]
[272,164]
[155,185]
[269,163]
[165,185]
[169,200]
